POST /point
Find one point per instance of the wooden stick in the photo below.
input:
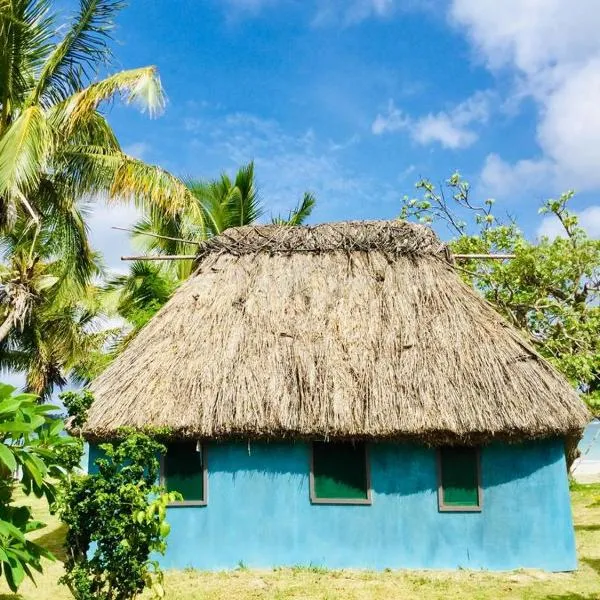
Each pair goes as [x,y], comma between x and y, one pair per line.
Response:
[192,257]
[484,256]
[155,235]
[159,257]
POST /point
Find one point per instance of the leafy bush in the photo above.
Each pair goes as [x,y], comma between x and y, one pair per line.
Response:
[31,445]
[116,519]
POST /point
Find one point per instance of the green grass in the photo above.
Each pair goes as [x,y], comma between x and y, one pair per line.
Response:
[313,582]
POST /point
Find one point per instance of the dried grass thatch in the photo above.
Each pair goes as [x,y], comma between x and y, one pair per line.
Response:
[345,330]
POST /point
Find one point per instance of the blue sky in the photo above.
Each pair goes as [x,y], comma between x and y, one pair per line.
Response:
[355,100]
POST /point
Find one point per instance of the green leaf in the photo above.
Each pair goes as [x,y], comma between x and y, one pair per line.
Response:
[9,530]
[7,458]
[9,406]
[16,427]
[6,390]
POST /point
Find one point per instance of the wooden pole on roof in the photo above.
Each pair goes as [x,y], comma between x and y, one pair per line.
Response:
[484,256]
[192,256]
[155,235]
[161,257]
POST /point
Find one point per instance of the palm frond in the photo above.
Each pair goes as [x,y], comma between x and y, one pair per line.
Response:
[245,205]
[94,169]
[298,215]
[92,129]
[26,30]
[75,58]
[136,86]
[24,151]
[64,237]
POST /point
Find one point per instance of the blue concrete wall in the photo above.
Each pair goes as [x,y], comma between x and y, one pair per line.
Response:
[259,512]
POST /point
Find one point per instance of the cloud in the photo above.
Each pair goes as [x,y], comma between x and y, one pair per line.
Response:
[553,52]
[251,7]
[499,178]
[451,129]
[332,12]
[112,243]
[138,150]
[589,219]
[344,13]
[288,164]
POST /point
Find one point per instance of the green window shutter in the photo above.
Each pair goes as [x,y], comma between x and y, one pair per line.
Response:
[184,471]
[459,477]
[340,472]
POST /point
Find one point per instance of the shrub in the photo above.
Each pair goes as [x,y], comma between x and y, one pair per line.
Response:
[116,519]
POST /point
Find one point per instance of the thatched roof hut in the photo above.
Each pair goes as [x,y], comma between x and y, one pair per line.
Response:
[341,330]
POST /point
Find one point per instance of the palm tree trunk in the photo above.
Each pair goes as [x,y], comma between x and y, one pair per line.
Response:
[8,325]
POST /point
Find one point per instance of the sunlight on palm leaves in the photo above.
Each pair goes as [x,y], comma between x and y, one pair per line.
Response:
[50,124]
[57,149]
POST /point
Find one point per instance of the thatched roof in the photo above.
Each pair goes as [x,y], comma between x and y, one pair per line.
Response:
[361,330]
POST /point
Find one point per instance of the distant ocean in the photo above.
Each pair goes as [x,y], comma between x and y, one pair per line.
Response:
[587,467]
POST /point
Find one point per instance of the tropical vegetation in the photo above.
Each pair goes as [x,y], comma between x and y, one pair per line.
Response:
[31,445]
[58,154]
[116,520]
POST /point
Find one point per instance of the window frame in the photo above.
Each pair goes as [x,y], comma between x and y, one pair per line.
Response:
[163,479]
[442,506]
[368,501]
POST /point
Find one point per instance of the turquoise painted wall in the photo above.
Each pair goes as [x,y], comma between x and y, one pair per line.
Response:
[259,512]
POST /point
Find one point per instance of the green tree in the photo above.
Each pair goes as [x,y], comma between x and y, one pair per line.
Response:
[116,519]
[56,145]
[550,290]
[50,304]
[30,442]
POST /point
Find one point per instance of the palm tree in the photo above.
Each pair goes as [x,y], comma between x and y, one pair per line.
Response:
[56,146]
[51,305]
[227,204]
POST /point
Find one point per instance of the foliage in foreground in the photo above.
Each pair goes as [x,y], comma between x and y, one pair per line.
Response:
[550,290]
[116,519]
[30,443]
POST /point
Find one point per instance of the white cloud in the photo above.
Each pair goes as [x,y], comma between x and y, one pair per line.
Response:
[393,120]
[112,243]
[589,219]
[553,49]
[499,178]
[347,12]
[137,150]
[289,164]
[252,7]
[452,129]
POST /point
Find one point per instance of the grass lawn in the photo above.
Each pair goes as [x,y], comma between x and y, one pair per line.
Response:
[298,583]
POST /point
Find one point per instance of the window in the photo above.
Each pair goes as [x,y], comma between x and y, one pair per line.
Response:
[184,471]
[339,473]
[459,480]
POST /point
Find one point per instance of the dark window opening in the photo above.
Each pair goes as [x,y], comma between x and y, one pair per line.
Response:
[184,471]
[339,473]
[459,485]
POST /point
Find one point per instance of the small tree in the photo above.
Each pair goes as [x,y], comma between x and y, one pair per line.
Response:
[550,290]
[31,445]
[116,519]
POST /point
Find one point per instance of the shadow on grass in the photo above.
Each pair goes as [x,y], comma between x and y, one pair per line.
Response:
[567,596]
[595,527]
[594,563]
[11,597]
[53,540]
